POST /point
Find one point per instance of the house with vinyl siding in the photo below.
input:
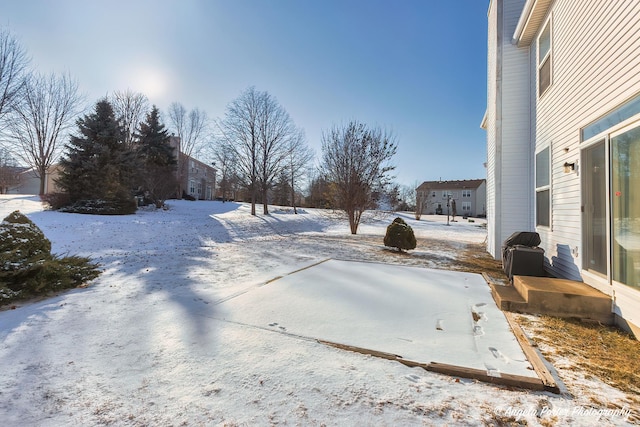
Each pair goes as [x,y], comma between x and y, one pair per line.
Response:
[469,196]
[563,139]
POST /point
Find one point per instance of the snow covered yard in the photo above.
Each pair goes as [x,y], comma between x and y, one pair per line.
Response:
[153,342]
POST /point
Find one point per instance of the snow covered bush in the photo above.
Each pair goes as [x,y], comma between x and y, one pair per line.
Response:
[400,235]
[28,268]
[114,206]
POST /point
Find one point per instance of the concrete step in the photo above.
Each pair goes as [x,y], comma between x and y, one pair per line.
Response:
[507,298]
[563,298]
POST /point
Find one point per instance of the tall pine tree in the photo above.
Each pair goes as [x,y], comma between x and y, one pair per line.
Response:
[97,165]
[157,176]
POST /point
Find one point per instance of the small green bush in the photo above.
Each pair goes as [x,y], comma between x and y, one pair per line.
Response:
[56,200]
[115,206]
[27,267]
[400,235]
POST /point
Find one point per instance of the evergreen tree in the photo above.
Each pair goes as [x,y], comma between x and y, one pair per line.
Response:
[282,190]
[400,235]
[97,166]
[158,161]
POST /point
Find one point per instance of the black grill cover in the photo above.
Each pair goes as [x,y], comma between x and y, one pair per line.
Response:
[523,238]
[521,256]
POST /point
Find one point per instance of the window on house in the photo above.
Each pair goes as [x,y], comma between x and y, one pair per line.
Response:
[434,194]
[192,187]
[466,206]
[444,194]
[544,59]
[543,188]
[466,193]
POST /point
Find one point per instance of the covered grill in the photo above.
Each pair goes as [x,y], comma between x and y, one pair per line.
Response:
[521,255]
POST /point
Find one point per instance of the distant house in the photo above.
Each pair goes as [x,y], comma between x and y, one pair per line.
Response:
[470,196]
[196,178]
[28,181]
[10,177]
[563,139]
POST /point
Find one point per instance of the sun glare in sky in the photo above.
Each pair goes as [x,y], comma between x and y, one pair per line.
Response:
[151,81]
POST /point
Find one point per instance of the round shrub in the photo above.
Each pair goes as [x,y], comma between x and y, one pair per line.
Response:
[27,267]
[23,250]
[400,235]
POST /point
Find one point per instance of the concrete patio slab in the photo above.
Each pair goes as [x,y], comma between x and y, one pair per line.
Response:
[422,315]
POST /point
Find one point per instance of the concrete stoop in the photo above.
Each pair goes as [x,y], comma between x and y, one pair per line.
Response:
[553,297]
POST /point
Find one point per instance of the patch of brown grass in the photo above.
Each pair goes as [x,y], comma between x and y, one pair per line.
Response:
[605,352]
[474,258]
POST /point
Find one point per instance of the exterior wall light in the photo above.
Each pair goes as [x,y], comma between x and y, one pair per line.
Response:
[569,167]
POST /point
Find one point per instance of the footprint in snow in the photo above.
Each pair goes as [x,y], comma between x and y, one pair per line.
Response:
[413,378]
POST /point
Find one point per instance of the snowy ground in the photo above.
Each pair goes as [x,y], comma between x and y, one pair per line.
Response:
[146,343]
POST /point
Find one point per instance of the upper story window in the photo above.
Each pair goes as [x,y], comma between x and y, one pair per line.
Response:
[466,193]
[544,59]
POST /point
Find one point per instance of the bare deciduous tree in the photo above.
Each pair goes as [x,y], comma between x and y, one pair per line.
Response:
[239,130]
[356,160]
[298,158]
[260,131]
[275,132]
[45,111]
[8,171]
[13,68]
[223,156]
[130,109]
[191,128]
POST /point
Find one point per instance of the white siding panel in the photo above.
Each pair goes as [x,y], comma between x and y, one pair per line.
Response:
[596,58]
[492,124]
[508,128]
[516,130]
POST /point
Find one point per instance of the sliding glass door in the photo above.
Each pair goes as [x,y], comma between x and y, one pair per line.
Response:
[625,206]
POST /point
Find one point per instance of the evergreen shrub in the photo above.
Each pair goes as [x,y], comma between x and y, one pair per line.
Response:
[113,206]
[27,267]
[400,235]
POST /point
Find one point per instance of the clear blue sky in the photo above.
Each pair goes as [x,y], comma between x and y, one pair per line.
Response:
[416,67]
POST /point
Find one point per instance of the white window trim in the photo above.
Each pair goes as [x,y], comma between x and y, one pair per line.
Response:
[548,57]
[544,188]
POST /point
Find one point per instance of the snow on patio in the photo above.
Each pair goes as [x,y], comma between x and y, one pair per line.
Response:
[143,344]
[419,314]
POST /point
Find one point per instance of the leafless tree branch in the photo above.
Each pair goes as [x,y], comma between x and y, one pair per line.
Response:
[13,69]
[39,121]
[130,109]
[356,161]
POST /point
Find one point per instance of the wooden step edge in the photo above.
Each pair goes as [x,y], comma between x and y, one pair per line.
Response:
[534,357]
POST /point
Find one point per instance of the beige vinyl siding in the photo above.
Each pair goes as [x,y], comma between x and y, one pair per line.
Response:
[516,182]
[596,58]
[509,178]
[493,168]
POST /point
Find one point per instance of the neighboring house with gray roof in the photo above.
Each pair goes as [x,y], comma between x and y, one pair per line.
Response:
[470,197]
